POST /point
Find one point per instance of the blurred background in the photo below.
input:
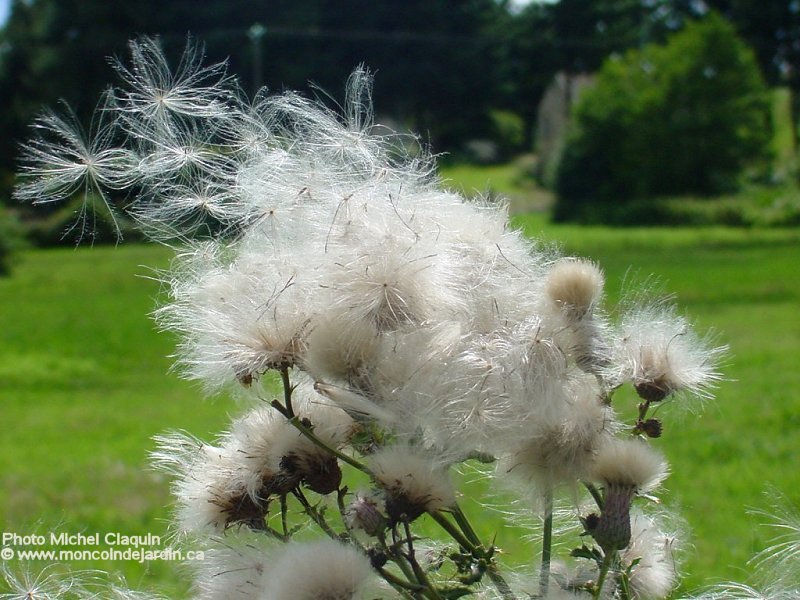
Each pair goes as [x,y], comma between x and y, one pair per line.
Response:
[596,107]
[655,133]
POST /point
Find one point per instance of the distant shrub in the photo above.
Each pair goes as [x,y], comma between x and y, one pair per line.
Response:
[10,239]
[680,118]
[754,206]
[78,221]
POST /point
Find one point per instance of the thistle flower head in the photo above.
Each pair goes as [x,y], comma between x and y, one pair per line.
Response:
[563,448]
[238,320]
[661,354]
[623,467]
[413,482]
[298,457]
[209,489]
[629,463]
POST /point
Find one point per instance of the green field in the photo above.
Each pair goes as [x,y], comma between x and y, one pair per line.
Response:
[84,385]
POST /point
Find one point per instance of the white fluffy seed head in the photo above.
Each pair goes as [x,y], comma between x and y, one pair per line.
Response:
[413,481]
[209,491]
[659,352]
[629,463]
[563,449]
[575,286]
[238,320]
[338,347]
[251,444]
[237,568]
[321,570]
[652,556]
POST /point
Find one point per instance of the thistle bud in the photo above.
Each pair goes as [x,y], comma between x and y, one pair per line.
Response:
[575,286]
[363,513]
[653,391]
[377,558]
[651,428]
[613,530]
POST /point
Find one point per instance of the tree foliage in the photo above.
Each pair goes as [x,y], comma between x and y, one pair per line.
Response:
[433,58]
[684,117]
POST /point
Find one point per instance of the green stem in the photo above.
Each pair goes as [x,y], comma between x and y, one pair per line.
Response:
[547,543]
[398,560]
[465,525]
[315,515]
[429,589]
[284,511]
[475,549]
[598,497]
[297,423]
[608,560]
[454,532]
[396,582]
[287,391]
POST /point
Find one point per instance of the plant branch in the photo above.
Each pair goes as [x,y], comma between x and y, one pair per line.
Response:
[547,543]
[608,560]
[399,560]
[455,532]
[315,515]
[592,489]
[284,522]
[465,525]
[429,589]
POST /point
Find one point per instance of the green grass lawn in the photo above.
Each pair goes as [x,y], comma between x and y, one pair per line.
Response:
[84,385]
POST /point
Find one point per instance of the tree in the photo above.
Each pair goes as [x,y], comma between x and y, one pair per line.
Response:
[684,117]
[435,60]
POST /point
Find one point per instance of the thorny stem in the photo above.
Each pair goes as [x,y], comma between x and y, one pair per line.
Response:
[492,571]
[287,391]
[454,532]
[547,543]
[297,423]
[419,572]
[399,560]
[284,510]
[315,514]
[608,560]
[474,548]
[465,525]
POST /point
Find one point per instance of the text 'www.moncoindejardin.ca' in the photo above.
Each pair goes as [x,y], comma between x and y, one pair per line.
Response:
[113,546]
[109,554]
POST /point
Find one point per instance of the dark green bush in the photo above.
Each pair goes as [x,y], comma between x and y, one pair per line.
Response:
[680,118]
[10,239]
[77,221]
